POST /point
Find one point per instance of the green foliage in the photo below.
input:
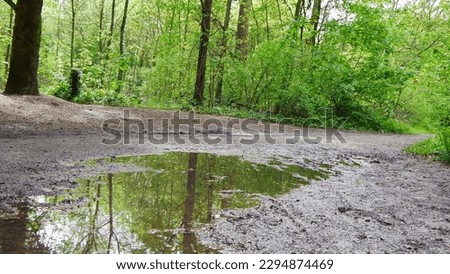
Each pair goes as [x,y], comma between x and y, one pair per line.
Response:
[377,67]
[63,91]
[428,147]
[444,138]
[437,147]
[97,96]
[102,97]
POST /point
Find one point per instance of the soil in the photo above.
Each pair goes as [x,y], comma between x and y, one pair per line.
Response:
[379,199]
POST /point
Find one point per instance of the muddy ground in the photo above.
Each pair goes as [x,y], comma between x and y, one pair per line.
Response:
[379,200]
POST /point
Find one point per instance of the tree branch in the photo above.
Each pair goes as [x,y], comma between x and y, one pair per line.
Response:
[427,48]
[11,4]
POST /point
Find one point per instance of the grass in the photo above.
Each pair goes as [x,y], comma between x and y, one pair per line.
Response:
[444,138]
[437,147]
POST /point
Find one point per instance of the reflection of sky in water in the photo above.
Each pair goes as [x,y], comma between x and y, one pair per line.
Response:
[67,232]
[156,211]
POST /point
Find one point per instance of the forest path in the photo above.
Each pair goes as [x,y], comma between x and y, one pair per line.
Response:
[379,200]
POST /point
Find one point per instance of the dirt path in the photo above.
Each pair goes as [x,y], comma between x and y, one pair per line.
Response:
[389,203]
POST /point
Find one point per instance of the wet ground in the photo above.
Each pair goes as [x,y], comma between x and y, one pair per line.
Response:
[363,195]
[155,210]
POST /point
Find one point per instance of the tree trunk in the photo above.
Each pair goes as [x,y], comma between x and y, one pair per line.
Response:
[203,52]
[111,27]
[100,26]
[23,72]
[299,13]
[242,44]
[223,50]
[315,17]
[75,77]
[122,45]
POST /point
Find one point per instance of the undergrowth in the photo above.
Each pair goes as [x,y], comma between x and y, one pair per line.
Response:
[437,147]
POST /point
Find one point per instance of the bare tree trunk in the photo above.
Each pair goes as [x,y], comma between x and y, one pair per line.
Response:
[121,73]
[203,52]
[8,47]
[23,72]
[242,44]
[315,17]
[222,52]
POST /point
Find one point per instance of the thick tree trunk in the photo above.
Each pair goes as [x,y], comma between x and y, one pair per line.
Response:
[23,72]
[203,52]
[242,44]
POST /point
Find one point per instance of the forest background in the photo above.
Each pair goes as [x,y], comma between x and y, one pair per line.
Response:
[378,65]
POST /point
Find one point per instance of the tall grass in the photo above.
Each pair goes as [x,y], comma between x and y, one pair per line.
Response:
[444,138]
[438,147]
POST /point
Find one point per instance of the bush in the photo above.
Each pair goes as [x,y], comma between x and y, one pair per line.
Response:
[62,91]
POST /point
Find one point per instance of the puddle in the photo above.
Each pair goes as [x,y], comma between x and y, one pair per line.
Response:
[155,211]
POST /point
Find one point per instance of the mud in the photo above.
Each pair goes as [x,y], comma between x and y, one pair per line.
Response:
[378,199]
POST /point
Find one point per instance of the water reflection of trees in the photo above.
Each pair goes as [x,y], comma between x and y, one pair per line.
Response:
[18,235]
[189,204]
[156,211]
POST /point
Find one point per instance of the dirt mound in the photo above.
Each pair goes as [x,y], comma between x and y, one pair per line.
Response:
[42,113]
[23,115]
[35,114]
